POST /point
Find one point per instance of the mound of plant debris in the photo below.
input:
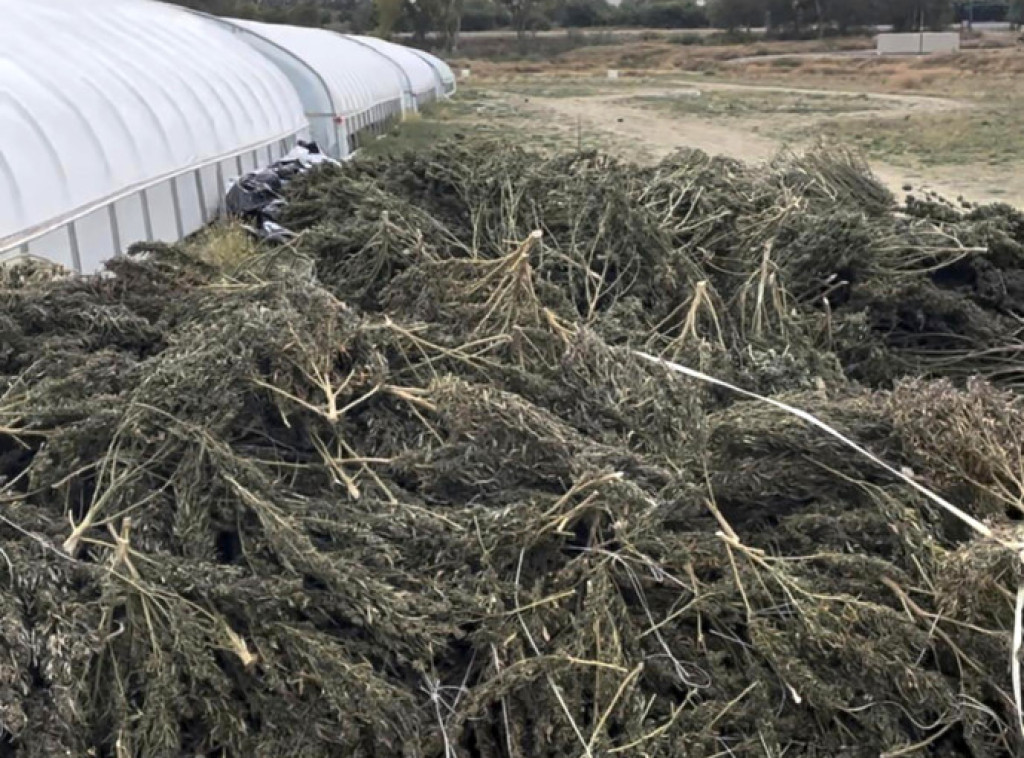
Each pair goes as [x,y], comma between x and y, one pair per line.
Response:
[805,256]
[442,478]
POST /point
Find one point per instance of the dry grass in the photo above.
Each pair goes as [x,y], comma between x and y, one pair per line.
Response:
[964,74]
[973,137]
[481,111]
[225,246]
[654,55]
[970,73]
[916,80]
[758,104]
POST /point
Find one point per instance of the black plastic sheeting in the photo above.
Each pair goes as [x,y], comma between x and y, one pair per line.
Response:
[257,199]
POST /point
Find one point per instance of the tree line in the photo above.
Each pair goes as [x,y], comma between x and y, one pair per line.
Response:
[902,15]
[447,18]
[304,13]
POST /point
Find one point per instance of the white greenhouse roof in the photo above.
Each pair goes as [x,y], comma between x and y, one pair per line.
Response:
[422,77]
[102,99]
[358,77]
[443,70]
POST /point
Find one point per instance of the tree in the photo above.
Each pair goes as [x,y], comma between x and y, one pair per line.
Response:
[482,15]
[581,13]
[389,12]
[908,15]
[451,23]
[663,14]
[419,16]
[1016,13]
[360,17]
[781,13]
[819,14]
[737,14]
[443,16]
[520,11]
[843,14]
[849,14]
[307,14]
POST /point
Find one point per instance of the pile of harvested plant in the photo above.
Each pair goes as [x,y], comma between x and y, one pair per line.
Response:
[443,478]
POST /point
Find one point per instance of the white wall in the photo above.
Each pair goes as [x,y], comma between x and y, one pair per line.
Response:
[916,43]
[164,211]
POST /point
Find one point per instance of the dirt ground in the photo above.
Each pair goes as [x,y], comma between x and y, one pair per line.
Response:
[949,123]
[647,133]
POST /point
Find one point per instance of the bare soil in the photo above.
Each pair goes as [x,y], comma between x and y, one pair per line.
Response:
[645,133]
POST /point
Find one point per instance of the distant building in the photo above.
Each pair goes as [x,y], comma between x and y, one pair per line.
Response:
[617,3]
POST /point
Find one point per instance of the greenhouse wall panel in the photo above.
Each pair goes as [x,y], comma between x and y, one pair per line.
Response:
[106,100]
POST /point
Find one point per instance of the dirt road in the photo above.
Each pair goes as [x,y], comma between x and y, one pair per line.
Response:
[646,133]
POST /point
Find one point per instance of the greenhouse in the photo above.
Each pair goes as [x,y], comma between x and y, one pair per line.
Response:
[441,69]
[127,120]
[350,91]
[422,80]
[123,121]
